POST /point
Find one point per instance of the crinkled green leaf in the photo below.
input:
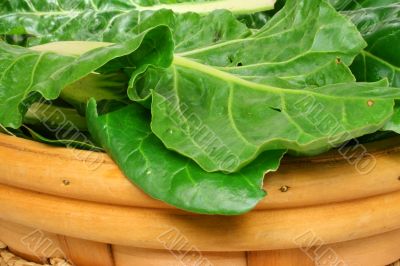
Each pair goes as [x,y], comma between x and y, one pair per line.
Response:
[178,6]
[379,21]
[254,93]
[359,4]
[83,143]
[380,25]
[258,20]
[341,4]
[101,20]
[394,123]
[52,117]
[126,135]
[26,73]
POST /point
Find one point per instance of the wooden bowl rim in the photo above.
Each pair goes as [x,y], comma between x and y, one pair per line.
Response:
[34,194]
[300,182]
[156,229]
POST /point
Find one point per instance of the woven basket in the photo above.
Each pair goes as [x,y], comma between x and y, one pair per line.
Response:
[324,210]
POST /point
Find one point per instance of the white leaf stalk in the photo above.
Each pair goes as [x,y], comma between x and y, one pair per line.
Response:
[238,7]
[70,48]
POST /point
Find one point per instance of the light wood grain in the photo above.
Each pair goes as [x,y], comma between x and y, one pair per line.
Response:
[136,256]
[38,246]
[376,250]
[94,177]
[372,251]
[292,257]
[83,252]
[82,204]
[32,244]
[259,230]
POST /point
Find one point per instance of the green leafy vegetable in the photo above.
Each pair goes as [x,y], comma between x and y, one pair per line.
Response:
[219,96]
[83,143]
[379,21]
[126,135]
[180,6]
[380,24]
[27,73]
[239,92]
[52,116]
[104,20]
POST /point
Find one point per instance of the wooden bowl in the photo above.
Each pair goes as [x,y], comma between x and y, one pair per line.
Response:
[342,208]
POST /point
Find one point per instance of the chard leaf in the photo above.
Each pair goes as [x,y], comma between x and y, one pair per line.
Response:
[180,6]
[125,133]
[258,20]
[359,4]
[380,25]
[75,143]
[53,117]
[379,21]
[102,20]
[394,123]
[47,70]
[257,93]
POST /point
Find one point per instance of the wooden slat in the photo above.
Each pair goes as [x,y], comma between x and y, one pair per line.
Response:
[136,256]
[293,257]
[31,244]
[259,230]
[376,250]
[38,246]
[84,253]
[94,177]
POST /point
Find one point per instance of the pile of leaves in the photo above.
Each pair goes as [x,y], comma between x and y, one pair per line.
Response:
[197,100]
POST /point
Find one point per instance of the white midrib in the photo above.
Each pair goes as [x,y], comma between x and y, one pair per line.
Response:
[235,6]
[214,72]
[63,48]
[238,7]
[209,70]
